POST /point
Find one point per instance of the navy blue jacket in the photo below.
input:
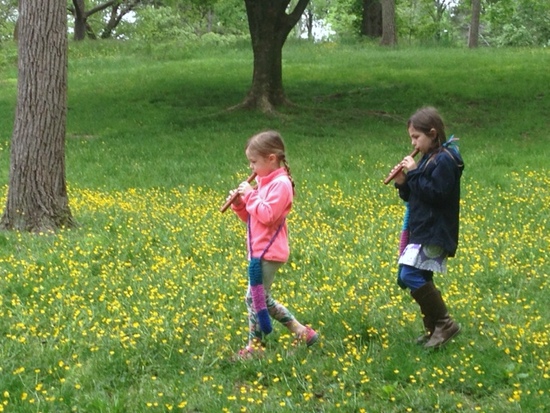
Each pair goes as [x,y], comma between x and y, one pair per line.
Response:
[433,193]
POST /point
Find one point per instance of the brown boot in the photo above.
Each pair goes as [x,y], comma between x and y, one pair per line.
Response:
[434,308]
[445,329]
[429,327]
[429,324]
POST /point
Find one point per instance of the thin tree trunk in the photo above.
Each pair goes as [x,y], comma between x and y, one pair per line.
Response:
[37,196]
[114,20]
[81,26]
[80,20]
[473,36]
[309,23]
[16,31]
[389,31]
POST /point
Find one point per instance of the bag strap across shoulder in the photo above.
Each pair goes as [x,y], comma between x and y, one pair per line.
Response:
[249,236]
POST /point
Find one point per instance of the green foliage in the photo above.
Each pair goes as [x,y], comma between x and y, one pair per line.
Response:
[8,54]
[189,21]
[160,23]
[518,22]
[141,308]
[442,22]
[418,21]
[8,17]
[503,22]
[344,18]
[231,17]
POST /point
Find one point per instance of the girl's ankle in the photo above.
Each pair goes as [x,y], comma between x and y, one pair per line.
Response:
[295,327]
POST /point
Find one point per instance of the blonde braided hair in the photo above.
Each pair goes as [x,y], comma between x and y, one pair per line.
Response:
[270,142]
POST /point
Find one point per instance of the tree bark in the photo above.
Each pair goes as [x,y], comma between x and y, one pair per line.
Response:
[16,28]
[16,31]
[269,28]
[389,31]
[372,19]
[473,36]
[80,20]
[37,197]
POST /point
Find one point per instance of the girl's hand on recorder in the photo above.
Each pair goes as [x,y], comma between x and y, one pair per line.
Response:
[244,188]
[400,178]
[408,163]
[238,199]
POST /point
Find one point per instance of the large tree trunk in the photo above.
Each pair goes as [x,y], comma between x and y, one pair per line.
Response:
[372,18]
[389,31]
[473,36]
[37,196]
[269,28]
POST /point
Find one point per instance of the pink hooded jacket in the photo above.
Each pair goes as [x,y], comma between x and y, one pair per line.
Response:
[268,205]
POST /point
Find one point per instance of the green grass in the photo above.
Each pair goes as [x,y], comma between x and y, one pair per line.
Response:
[141,307]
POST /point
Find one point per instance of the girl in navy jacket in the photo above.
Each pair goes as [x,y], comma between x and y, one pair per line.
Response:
[431,188]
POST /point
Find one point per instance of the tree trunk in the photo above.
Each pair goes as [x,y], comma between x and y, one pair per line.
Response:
[372,18]
[81,26]
[16,31]
[112,23]
[16,28]
[309,24]
[37,195]
[473,36]
[389,32]
[80,20]
[269,28]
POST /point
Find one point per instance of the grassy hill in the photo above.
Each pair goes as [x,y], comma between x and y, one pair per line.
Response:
[141,308]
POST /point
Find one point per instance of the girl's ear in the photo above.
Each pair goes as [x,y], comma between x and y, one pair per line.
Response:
[433,133]
[272,157]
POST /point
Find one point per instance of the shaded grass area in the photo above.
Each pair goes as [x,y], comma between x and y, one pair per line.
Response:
[141,308]
[358,96]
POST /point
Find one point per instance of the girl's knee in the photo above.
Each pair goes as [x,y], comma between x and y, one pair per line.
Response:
[414,278]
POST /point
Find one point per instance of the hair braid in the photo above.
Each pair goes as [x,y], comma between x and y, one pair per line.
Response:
[287,167]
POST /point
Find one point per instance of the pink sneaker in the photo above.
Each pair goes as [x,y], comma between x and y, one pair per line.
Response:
[249,352]
[309,336]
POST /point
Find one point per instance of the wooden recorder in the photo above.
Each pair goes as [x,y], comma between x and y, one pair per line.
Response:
[398,168]
[235,195]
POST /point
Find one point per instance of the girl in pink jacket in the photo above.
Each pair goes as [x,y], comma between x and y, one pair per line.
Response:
[264,209]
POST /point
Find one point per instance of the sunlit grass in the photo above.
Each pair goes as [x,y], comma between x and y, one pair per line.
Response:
[142,307]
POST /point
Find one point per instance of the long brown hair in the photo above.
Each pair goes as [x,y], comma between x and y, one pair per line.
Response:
[427,118]
[424,120]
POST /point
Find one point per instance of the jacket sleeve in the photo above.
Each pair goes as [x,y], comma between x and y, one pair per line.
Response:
[240,211]
[404,191]
[270,208]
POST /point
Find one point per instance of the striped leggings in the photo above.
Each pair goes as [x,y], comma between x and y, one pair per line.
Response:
[276,310]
